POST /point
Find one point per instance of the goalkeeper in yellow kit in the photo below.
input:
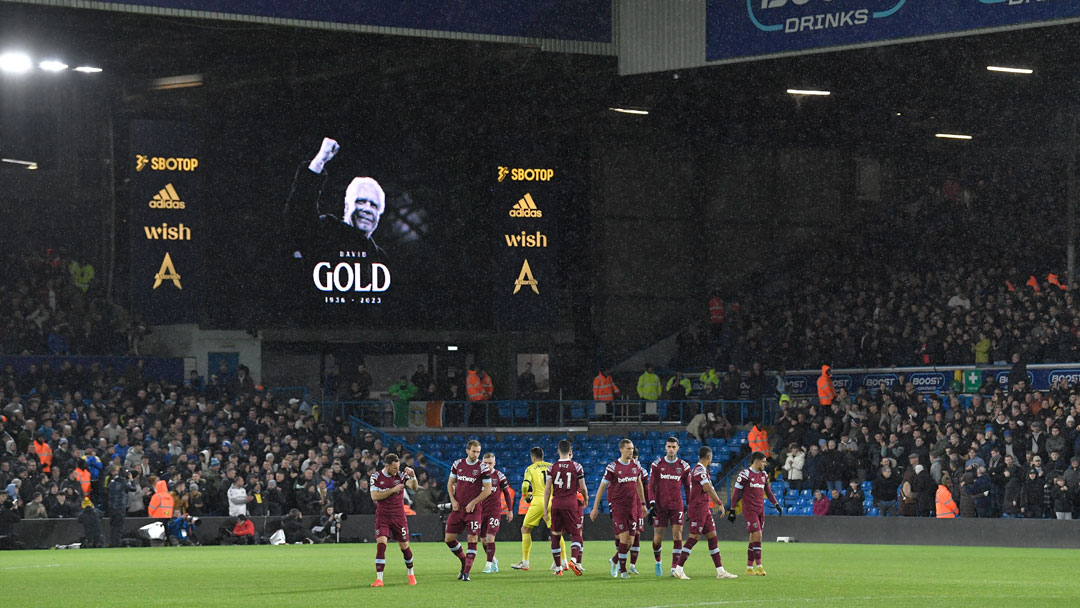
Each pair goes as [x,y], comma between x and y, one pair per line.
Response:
[532,491]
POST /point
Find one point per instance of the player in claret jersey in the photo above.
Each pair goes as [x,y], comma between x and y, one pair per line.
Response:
[493,510]
[669,476]
[701,516]
[752,486]
[387,487]
[468,486]
[622,479]
[565,479]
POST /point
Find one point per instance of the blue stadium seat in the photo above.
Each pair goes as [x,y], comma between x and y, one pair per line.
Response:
[807,493]
[776,488]
[873,512]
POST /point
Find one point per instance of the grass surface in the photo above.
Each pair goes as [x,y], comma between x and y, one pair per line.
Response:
[339,575]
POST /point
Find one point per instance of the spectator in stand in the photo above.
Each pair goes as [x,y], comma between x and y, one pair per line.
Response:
[1062,498]
[1032,496]
[362,382]
[526,382]
[238,498]
[793,466]
[884,492]
[837,503]
[731,383]
[853,501]
[821,504]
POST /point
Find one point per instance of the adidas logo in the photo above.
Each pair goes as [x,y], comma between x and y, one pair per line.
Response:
[526,207]
[167,198]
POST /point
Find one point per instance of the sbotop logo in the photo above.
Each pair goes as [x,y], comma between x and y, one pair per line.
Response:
[517,174]
[158,163]
[793,18]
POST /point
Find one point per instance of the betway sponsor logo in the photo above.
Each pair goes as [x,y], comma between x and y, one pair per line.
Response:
[627,479]
[466,479]
[166,232]
[351,277]
[526,240]
[670,477]
[759,486]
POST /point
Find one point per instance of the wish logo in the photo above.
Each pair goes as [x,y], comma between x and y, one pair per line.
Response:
[795,16]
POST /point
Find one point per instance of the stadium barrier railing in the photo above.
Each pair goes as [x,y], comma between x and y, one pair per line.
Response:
[560,413]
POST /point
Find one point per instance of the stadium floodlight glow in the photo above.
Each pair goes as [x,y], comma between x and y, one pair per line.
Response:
[29,164]
[998,68]
[952,136]
[635,111]
[15,63]
[451,347]
[808,92]
[52,65]
[86,69]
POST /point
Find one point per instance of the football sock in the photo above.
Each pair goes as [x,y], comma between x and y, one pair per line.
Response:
[407,554]
[757,553]
[526,546]
[714,551]
[556,550]
[686,549]
[656,551]
[750,555]
[455,548]
[380,559]
[676,553]
[622,556]
[562,546]
[575,550]
[489,550]
[470,555]
[635,549]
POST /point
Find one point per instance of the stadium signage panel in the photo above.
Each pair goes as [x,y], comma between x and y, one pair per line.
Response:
[930,380]
[745,29]
[165,233]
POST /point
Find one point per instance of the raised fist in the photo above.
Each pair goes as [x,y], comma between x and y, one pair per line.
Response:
[327,151]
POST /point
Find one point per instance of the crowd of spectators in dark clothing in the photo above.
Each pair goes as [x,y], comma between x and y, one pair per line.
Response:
[1012,454]
[964,315]
[52,304]
[221,452]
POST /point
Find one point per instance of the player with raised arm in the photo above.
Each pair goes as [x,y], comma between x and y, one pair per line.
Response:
[387,492]
[752,486]
[532,492]
[492,511]
[622,479]
[565,479]
[701,515]
[469,484]
[669,477]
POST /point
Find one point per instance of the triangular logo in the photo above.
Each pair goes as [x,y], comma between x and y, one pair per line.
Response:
[525,277]
[167,272]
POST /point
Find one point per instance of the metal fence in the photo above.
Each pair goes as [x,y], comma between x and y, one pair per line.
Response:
[531,413]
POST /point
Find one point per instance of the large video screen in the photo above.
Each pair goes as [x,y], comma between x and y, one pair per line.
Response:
[378,205]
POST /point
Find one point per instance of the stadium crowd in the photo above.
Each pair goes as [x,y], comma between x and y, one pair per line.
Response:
[1011,454]
[51,304]
[961,315]
[221,450]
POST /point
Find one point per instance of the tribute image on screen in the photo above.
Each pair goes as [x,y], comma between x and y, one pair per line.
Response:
[337,246]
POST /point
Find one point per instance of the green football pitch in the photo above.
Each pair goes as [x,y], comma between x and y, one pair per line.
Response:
[313,576]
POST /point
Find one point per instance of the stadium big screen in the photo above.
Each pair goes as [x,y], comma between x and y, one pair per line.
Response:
[384,206]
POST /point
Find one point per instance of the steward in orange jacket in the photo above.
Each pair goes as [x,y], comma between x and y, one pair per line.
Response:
[161,504]
[825,391]
[44,453]
[604,388]
[946,508]
[486,385]
[474,389]
[758,440]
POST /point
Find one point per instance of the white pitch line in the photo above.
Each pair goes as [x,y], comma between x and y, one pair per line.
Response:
[788,600]
[27,567]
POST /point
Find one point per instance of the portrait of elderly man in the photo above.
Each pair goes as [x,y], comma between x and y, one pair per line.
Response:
[363,205]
